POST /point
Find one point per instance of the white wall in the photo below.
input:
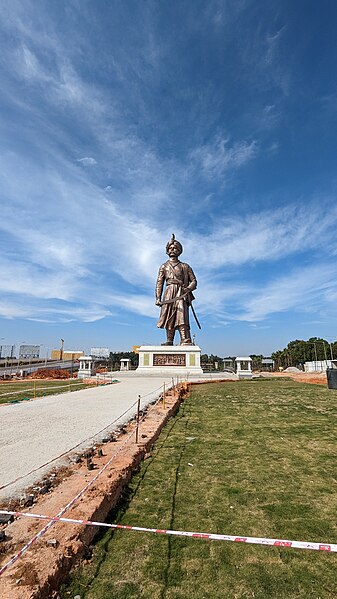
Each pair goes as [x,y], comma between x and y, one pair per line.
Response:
[319,366]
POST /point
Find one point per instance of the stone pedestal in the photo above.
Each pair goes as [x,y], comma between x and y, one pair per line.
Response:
[169,359]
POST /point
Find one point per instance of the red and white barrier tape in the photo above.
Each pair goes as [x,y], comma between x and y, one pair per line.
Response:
[69,505]
[331,547]
[63,510]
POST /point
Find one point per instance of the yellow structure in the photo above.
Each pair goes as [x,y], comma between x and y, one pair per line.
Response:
[67,354]
[135,349]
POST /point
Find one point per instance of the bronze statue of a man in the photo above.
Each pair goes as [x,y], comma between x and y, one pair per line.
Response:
[180,282]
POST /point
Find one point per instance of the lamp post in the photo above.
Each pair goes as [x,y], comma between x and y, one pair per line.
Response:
[61,350]
[46,353]
[315,355]
[331,340]
[19,344]
[3,339]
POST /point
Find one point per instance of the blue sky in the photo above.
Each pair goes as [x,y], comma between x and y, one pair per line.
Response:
[121,122]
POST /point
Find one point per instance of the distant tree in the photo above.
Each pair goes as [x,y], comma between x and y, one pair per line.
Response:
[114,360]
[333,350]
[320,347]
[278,357]
[256,361]
[210,360]
[299,351]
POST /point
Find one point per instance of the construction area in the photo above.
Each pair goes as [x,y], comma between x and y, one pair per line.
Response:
[82,467]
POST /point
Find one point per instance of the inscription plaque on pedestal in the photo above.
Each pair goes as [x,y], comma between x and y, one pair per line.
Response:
[159,359]
[169,360]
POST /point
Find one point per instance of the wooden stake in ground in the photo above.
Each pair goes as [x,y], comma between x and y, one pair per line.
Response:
[138,410]
[164,396]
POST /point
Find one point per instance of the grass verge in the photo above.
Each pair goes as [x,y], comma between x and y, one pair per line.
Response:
[255,458]
[13,392]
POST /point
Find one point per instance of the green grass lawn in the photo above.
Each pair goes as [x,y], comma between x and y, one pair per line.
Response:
[26,389]
[264,464]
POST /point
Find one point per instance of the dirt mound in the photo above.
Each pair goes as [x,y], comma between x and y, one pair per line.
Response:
[292,369]
[47,373]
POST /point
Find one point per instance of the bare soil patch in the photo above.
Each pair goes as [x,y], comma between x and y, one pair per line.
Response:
[313,378]
[40,571]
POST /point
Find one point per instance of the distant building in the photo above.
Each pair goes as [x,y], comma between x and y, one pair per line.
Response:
[69,354]
[229,362]
[125,364]
[87,367]
[6,351]
[244,367]
[29,351]
[267,364]
[318,365]
[100,352]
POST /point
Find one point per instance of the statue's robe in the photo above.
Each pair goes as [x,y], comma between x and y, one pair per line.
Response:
[178,277]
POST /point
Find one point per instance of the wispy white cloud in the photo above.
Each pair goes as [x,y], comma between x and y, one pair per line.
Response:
[29,66]
[53,73]
[44,61]
[265,236]
[220,156]
[29,279]
[311,289]
[79,244]
[267,119]
[278,70]
[87,161]
[136,303]
[22,308]
[69,241]
[272,43]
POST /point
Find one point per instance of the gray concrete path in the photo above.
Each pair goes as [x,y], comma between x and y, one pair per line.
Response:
[35,432]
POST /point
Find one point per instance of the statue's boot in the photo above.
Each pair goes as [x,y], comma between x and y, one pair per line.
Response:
[185,335]
[169,336]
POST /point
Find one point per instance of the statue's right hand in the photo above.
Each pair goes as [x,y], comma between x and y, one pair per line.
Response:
[158,302]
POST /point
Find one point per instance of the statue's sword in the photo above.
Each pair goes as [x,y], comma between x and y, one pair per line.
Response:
[195,316]
[179,297]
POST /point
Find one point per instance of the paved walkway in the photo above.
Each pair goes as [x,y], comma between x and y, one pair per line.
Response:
[36,432]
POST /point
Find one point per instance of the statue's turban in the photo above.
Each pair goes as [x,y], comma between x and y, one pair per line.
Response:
[176,242]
